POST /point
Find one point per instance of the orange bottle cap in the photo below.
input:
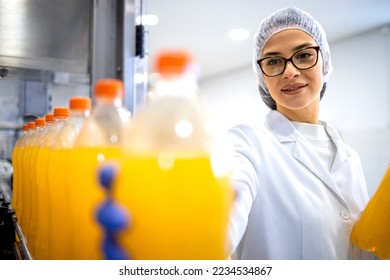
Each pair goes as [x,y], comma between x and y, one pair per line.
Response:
[40,122]
[61,112]
[31,125]
[109,88]
[49,118]
[25,127]
[173,62]
[80,103]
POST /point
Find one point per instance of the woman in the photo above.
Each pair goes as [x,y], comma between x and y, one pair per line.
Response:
[300,189]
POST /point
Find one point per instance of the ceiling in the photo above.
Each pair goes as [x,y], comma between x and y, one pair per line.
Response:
[201,26]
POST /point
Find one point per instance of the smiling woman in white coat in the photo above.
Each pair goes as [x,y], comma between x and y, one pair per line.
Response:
[300,188]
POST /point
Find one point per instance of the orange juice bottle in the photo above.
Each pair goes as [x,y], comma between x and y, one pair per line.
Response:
[61,116]
[179,204]
[21,173]
[100,139]
[26,182]
[15,165]
[40,124]
[60,239]
[372,231]
[41,242]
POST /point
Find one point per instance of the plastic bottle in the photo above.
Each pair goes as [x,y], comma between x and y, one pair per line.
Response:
[61,115]
[21,174]
[26,182]
[15,165]
[100,139]
[46,138]
[60,239]
[179,205]
[40,124]
[372,231]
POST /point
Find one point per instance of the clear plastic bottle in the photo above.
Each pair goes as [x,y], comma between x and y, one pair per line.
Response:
[26,182]
[15,165]
[21,175]
[40,124]
[61,115]
[372,231]
[100,139]
[44,142]
[60,239]
[169,183]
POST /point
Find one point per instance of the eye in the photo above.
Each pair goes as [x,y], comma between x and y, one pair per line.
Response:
[305,55]
[274,61]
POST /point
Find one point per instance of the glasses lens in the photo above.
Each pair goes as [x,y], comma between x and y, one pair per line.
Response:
[272,66]
[305,59]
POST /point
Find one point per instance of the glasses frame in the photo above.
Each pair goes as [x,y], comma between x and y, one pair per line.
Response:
[290,59]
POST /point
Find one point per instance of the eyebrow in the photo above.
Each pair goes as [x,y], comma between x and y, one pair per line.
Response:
[297,48]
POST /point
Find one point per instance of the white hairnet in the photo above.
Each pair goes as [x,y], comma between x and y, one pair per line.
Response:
[289,18]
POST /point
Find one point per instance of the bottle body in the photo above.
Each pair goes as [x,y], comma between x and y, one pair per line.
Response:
[372,231]
[179,205]
[100,139]
[59,218]
[180,212]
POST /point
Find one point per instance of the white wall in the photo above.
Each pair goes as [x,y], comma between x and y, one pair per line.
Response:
[357,101]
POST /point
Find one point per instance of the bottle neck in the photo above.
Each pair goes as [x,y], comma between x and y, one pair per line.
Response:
[80,113]
[104,101]
[184,86]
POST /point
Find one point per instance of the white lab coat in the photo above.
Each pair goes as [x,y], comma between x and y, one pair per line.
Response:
[288,205]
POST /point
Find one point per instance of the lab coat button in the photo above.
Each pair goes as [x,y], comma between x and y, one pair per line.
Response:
[345,214]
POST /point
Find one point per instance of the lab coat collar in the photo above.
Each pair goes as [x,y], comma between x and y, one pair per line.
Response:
[285,132]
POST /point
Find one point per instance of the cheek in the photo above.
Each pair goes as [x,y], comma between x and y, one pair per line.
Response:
[270,83]
[317,79]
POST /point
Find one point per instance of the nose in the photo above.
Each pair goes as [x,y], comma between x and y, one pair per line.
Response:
[290,71]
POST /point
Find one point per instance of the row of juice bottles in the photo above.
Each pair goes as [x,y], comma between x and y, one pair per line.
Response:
[173,179]
[54,162]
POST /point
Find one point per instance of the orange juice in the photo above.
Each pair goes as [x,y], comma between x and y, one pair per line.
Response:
[15,164]
[33,200]
[58,205]
[15,186]
[22,174]
[85,195]
[31,210]
[372,231]
[41,242]
[17,198]
[25,218]
[178,208]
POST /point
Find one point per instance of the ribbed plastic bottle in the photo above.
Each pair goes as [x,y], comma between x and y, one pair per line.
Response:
[61,115]
[372,231]
[21,175]
[41,243]
[100,139]
[15,165]
[26,189]
[60,239]
[176,191]
[40,124]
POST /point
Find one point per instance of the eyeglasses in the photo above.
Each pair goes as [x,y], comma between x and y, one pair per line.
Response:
[303,59]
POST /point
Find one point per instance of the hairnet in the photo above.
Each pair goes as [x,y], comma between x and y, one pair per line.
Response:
[289,18]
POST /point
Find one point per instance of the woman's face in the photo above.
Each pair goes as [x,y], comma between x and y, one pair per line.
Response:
[296,92]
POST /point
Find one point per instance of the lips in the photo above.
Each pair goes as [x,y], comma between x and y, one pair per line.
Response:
[293,87]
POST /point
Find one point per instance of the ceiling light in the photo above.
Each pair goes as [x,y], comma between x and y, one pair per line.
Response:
[148,19]
[238,34]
